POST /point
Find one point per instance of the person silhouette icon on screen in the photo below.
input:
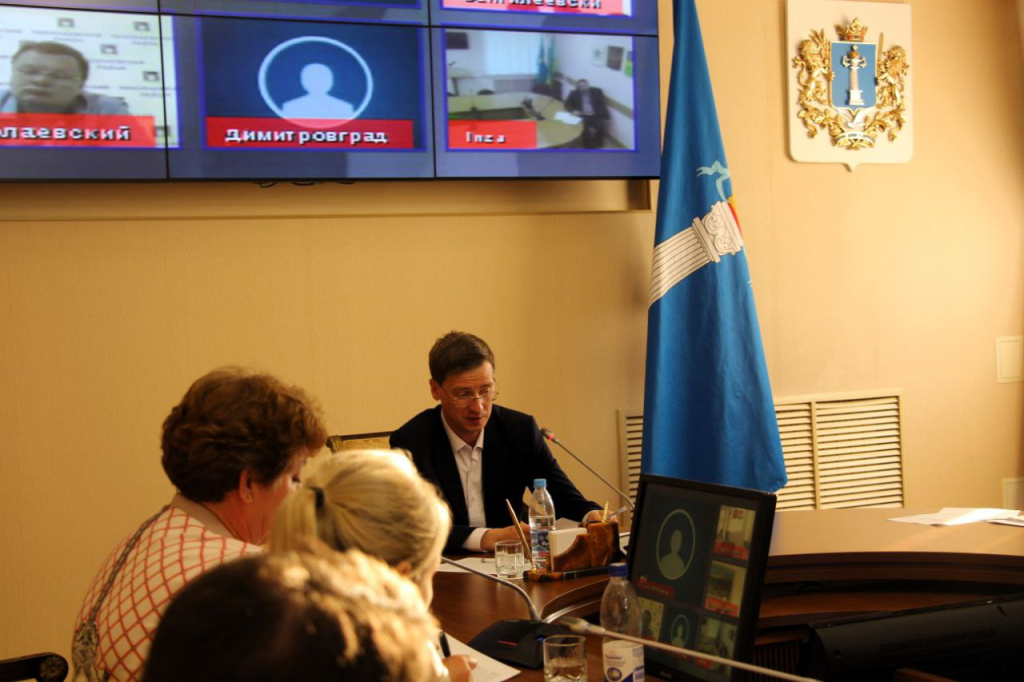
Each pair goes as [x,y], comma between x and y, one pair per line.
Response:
[672,565]
[680,632]
[317,80]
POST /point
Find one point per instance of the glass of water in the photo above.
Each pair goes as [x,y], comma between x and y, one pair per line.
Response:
[565,658]
[510,559]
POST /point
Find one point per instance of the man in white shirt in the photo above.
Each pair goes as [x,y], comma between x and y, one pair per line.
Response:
[480,454]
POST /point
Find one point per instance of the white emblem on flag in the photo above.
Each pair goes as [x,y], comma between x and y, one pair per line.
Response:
[709,238]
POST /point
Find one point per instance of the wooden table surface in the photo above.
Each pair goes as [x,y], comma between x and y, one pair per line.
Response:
[466,603]
[863,561]
[859,544]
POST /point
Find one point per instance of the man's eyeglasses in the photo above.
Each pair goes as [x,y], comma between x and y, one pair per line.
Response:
[461,398]
[57,76]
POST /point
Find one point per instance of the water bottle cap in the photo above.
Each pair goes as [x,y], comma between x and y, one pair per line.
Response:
[618,570]
[540,483]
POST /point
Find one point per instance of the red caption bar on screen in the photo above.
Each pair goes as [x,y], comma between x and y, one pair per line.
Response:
[76,130]
[277,133]
[492,134]
[722,606]
[600,7]
[732,549]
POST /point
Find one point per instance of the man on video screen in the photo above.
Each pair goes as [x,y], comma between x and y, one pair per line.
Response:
[49,78]
[588,103]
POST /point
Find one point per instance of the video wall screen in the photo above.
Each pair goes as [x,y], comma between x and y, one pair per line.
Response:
[316,90]
[531,104]
[54,127]
[291,100]
[602,16]
[389,11]
[124,5]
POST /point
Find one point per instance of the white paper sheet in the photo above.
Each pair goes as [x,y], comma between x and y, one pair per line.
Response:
[561,540]
[955,516]
[487,669]
[566,117]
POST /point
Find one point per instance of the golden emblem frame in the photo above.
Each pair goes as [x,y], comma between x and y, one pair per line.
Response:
[848,128]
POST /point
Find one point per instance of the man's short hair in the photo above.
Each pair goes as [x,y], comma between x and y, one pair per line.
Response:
[315,616]
[50,47]
[457,352]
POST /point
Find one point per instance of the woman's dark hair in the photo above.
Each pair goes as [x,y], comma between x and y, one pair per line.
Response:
[232,421]
[312,616]
[457,352]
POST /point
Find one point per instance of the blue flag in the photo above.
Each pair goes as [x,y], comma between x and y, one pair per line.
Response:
[543,71]
[708,409]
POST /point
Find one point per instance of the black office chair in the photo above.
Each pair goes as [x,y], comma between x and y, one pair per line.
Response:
[45,667]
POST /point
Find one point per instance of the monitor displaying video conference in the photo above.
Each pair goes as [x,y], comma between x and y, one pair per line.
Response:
[697,556]
[328,89]
[599,16]
[370,11]
[126,5]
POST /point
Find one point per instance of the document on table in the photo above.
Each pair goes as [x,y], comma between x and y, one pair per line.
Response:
[485,562]
[562,523]
[487,669]
[566,117]
[955,516]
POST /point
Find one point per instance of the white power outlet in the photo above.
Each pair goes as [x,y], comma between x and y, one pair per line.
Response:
[1009,359]
[1013,493]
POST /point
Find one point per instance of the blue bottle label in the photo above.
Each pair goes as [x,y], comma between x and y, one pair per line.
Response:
[541,544]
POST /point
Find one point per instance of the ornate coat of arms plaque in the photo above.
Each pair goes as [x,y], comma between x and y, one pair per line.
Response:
[849,82]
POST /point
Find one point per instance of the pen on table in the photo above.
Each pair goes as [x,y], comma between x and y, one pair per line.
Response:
[553,576]
[446,651]
[522,536]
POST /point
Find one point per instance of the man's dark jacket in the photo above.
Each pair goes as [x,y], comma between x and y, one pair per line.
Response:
[574,102]
[514,454]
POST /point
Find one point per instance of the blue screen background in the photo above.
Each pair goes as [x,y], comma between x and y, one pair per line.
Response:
[233,50]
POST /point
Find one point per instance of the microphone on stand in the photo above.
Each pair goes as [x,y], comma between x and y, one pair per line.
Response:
[582,627]
[549,435]
[513,641]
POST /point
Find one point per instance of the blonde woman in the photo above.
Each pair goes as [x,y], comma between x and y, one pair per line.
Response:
[376,502]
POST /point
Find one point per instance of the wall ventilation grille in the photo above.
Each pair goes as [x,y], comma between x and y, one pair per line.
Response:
[631,440]
[841,450]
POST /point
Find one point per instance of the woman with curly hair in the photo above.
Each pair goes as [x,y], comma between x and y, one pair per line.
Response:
[234,448]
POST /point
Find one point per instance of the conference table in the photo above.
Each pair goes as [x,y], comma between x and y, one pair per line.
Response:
[822,565]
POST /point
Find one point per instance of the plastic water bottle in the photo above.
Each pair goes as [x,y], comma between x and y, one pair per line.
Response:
[542,522]
[620,612]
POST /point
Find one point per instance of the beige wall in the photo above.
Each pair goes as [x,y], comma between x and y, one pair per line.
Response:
[894,275]
[113,298]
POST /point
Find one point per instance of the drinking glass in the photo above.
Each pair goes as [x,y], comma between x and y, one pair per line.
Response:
[565,658]
[510,559]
